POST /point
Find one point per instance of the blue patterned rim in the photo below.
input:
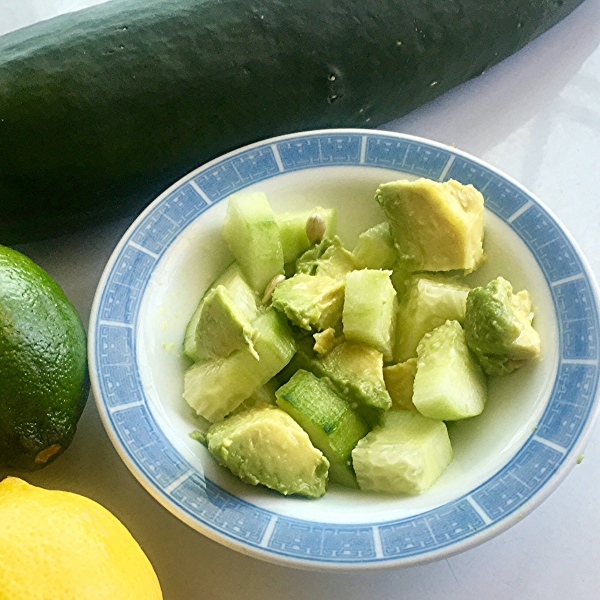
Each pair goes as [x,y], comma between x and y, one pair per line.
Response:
[520,485]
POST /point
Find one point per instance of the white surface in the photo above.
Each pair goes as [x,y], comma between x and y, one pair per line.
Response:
[536,117]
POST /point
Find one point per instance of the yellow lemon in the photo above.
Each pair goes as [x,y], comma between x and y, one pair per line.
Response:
[61,546]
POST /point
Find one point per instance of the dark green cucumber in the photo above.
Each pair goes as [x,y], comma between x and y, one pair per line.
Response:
[100,110]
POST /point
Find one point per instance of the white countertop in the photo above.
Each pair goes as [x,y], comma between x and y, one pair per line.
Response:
[537,118]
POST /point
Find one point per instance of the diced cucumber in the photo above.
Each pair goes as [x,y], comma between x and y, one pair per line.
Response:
[449,383]
[310,301]
[263,396]
[216,387]
[242,295]
[264,445]
[253,238]
[406,454]
[369,314]
[375,248]
[292,230]
[399,279]
[399,381]
[333,427]
[429,301]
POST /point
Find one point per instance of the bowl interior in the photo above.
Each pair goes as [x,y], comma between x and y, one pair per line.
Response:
[482,445]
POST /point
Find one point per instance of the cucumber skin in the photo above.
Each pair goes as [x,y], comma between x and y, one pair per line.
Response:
[103,108]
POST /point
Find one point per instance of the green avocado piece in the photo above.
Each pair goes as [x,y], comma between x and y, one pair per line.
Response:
[328,257]
[264,445]
[310,301]
[223,327]
[399,381]
[436,226]
[498,327]
[375,248]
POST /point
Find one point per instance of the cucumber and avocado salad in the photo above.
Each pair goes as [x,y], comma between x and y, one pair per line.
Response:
[104,108]
[328,378]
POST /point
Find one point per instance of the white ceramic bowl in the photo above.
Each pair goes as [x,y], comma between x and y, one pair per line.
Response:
[507,460]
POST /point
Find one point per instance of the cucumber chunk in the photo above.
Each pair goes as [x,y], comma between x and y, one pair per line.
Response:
[333,427]
[216,387]
[375,248]
[264,445]
[449,383]
[253,238]
[406,454]
[242,295]
[370,310]
[292,230]
[429,302]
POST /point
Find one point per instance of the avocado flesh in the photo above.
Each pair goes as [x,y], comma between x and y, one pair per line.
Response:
[375,248]
[436,226]
[264,445]
[399,382]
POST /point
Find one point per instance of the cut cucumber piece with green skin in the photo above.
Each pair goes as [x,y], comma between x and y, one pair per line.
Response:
[311,302]
[223,327]
[370,310]
[449,383]
[253,238]
[406,454]
[264,445]
[216,387]
[292,230]
[375,248]
[429,302]
[333,427]
[241,293]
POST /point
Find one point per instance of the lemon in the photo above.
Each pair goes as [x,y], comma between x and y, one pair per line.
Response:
[62,546]
[43,367]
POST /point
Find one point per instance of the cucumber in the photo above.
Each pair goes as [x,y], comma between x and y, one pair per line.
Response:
[375,248]
[216,387]
[449,384]
[253,237]
[406,454]
[103,108]
[369,313]
[332,426]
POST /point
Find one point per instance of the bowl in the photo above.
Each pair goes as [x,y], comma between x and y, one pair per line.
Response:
[509,459]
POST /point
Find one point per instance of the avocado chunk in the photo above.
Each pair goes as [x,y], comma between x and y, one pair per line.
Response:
[264,445]
[399,381]
[436,226]
[242,295]
[375,248]
[449,384]
[405,454]
[292,230]
[369,314]
[310,301]
[253,237]
[498,327]
[223,327]
[325,341]
[328,257]
[429,302]
[216,387]
[333,427]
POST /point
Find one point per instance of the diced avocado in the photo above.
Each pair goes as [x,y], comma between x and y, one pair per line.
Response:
[264,445]
[406,454]
[399,278]
[498,326]
[429,302]
[399,380]
[369,314]
[292,230]
[328,257]
[253,237]
[449,383]
[333,427]
[436,226]
[217,386]
[223,327]
[242,295]
[264,395]
[325,341]
[375,248]
[310,301]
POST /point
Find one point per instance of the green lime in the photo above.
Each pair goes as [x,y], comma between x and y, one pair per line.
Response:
[43,368]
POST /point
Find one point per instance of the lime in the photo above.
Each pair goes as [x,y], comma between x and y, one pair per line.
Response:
[43,366]
[62,546]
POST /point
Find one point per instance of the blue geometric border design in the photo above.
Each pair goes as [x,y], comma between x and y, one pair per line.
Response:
[125,410]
